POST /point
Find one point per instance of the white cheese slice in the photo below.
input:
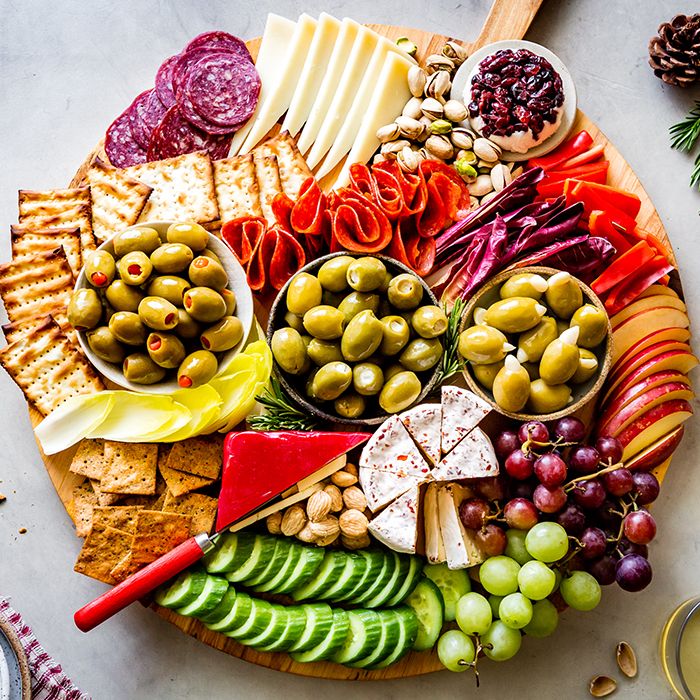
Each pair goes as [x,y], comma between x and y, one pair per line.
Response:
[424,423]
[312,73]
[461,550]
[462,411]
[273,52]
[389,96]
[397,525]
[434,544]
[336,64]
[382,487]
[473,458]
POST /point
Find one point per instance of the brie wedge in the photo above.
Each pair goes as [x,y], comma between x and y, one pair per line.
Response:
[462,411]
[424,424]
[434,544]
[397,525]
[461,550]
[473,458]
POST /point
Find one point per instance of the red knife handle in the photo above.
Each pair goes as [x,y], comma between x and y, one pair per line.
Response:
[142,582]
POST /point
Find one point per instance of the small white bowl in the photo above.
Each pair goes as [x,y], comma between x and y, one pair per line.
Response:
[237,283]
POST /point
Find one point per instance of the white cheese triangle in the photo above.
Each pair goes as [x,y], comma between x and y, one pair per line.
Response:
[460,547]
[462,411]
[424,423]
[397,525]
[473,458]
[434,544]
[382,487]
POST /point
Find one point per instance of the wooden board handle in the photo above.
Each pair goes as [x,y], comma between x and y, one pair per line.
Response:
[507,19]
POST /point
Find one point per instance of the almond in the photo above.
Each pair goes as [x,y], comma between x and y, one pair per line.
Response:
[273,522]
[306,535]
[326,541]
[318,506]
[326,528]
[336,497]
[355,542]
[293,521]
[351,469]
[344,479]
[353,497]
[353,523]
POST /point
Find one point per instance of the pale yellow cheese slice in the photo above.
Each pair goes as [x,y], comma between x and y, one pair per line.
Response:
[434,544]
[461,550]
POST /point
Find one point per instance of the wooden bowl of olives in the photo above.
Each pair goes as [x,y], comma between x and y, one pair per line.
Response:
[161,306]
[356,338]
[537,343]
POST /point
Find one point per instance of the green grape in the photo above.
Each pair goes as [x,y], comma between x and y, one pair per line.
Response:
[456,651]
[558,577]
[580,591]
[501,642]
[536,580]
[515,611]
[515,546]
[499,575]
[473,613]
[547,542]
[545,619]
[495,603]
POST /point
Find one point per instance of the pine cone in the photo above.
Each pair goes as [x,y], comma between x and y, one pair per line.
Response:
[675,53]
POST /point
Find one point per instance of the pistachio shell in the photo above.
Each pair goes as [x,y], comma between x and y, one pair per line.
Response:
[481,186]
[486,150]
[438,84]
[626,659]
[460,137]
[392,148]
[410,128]
[388,132]
[455,51]
[500,176]
[432,108]
[412,108]
[600,686]
[440,146]
[408,160]
[439,62]
[455,110]
[416,80]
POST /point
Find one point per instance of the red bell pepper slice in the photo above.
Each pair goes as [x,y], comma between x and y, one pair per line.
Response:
[592,154]
[623,267]
[645,275]
[627,202]
[580,143]
[652,240]
[552,185]
[592,199]
[600,226]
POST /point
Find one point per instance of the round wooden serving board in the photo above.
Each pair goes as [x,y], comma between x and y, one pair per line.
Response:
[508,19]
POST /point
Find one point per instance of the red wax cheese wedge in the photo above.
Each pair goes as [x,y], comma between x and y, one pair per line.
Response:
[260,466]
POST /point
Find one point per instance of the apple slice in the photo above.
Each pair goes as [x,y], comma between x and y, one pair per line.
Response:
[652,425]
[645,303]
[660,471]
[636,327]
[658,289]
[615,422]
[618,400]
[681,335]
[657,453]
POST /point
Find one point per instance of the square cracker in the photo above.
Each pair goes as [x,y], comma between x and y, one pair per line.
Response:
[51,208]
[292,166]
[201,508]
[89,459]
[268,176]
[180,483]
[237,190]
[129,468]
[104,547]
[80,509]
[200,456]
[18,329]
[183,188]
[120,517]
[48,368]
[105,499]
[117,199]
[27,241]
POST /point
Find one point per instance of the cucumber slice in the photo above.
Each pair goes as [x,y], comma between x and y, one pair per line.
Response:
[383,577]
[182,590]
[319,620]
[276,562]
[386,644]
[395,583]
[232,551]
[258,559]
[272,585]
[222,609]
[258,620]
[328,572]
[408,629]
[415,571]
[426,601]
[237,615]
[274,630]
[208,599]
[365,630]
[355,567]
[375,562]
[307,566]
[453,584]
[296,622]
[332,642]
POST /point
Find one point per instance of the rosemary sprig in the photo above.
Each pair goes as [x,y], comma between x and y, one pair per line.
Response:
[684,134]
[279,413]
[695,175]
[451,361]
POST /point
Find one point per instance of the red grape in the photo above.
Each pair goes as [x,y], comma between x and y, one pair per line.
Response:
[627,547]
[534,430]
[594,543]
[473,512]
[646,486]
[618,482]
[584,459]
[549,500]
[609,449]
[608,515]
[589,494]
[640,527]
[491,539]
[633,573]
[506,443]
[521,489]
[520,514]
[572,519]
[491,488]
[550,469]
[603,570]
[520,465]
[570,429]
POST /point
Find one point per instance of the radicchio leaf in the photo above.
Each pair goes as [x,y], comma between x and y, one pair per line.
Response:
[585,260]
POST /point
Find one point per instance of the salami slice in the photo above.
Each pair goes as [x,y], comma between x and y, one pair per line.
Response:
[145,113]
[187,59]
[195,118]
[243,235]
[120,145]
[164,81]
[221,40]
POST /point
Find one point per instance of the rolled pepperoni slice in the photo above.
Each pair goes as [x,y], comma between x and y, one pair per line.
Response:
[121,146]
[456,194]
[358,224]
[412,249]
[164,81]
[283,256]
[413,187]
[282,211]
[243,236]
[308,212]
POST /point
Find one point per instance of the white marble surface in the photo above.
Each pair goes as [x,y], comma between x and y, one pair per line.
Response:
[66,69]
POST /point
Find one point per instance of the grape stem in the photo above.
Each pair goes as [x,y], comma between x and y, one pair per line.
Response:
[587,477]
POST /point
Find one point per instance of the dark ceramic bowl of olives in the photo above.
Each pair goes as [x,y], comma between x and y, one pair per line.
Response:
[356,338]
[173,310]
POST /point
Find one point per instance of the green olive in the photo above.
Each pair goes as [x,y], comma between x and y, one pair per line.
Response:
[223,335]
[331,381]
[321,352]
[511,387]
[205,272]
[105,345]
[366,274]
[399,392]
[127,327]
[192,235]
[165,350]
[421,354]
[197,369]
[324,322]
[587,366]
[545,398]
[367,378]
[362,336]
[145,239]
[171,258]
[393,370]
[560,359]
[309,384]
[204,304]
[230,300]
[531,344]
[333,273]
[483,345]
[514,315]
[289,350]
[187,327]
[405,291]
[294,321]
[100,269]
[211,254]
[85,309]
[139,368]
[384,286]
[123,297]
[349,405]
[429,321]
[563,295]
[486,374]
[158,313]
[304,292]
[592,323]
[135,268]
[395,335]
[353,303]
[168,287]
[525,284]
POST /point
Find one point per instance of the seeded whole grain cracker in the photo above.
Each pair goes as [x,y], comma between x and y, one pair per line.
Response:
[105,499]
[201,456]
[80,509]
[180,483]
[129,468]
[293,169]
[89,459]
[103,549]
[48,368]
[201,508]
[27,241]
[119,517]
[237,189]
[268,176]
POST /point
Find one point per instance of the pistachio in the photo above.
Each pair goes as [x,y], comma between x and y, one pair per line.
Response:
[440,126]
[410,128]
[485,165]
[405,44]
[455,110]
[440,146]
[460,136]
[378,158]
[439,62]
[408,160]
[482,185]
[388,132]
[455,51]
[389,150]
[600,686]
[500,176]
[438,84]
[432,109]
[516,172]
[467,155]
[626,659]
[465,170]
[473,202]
[488,197]
[486,150]
[416,80]
[412,108]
